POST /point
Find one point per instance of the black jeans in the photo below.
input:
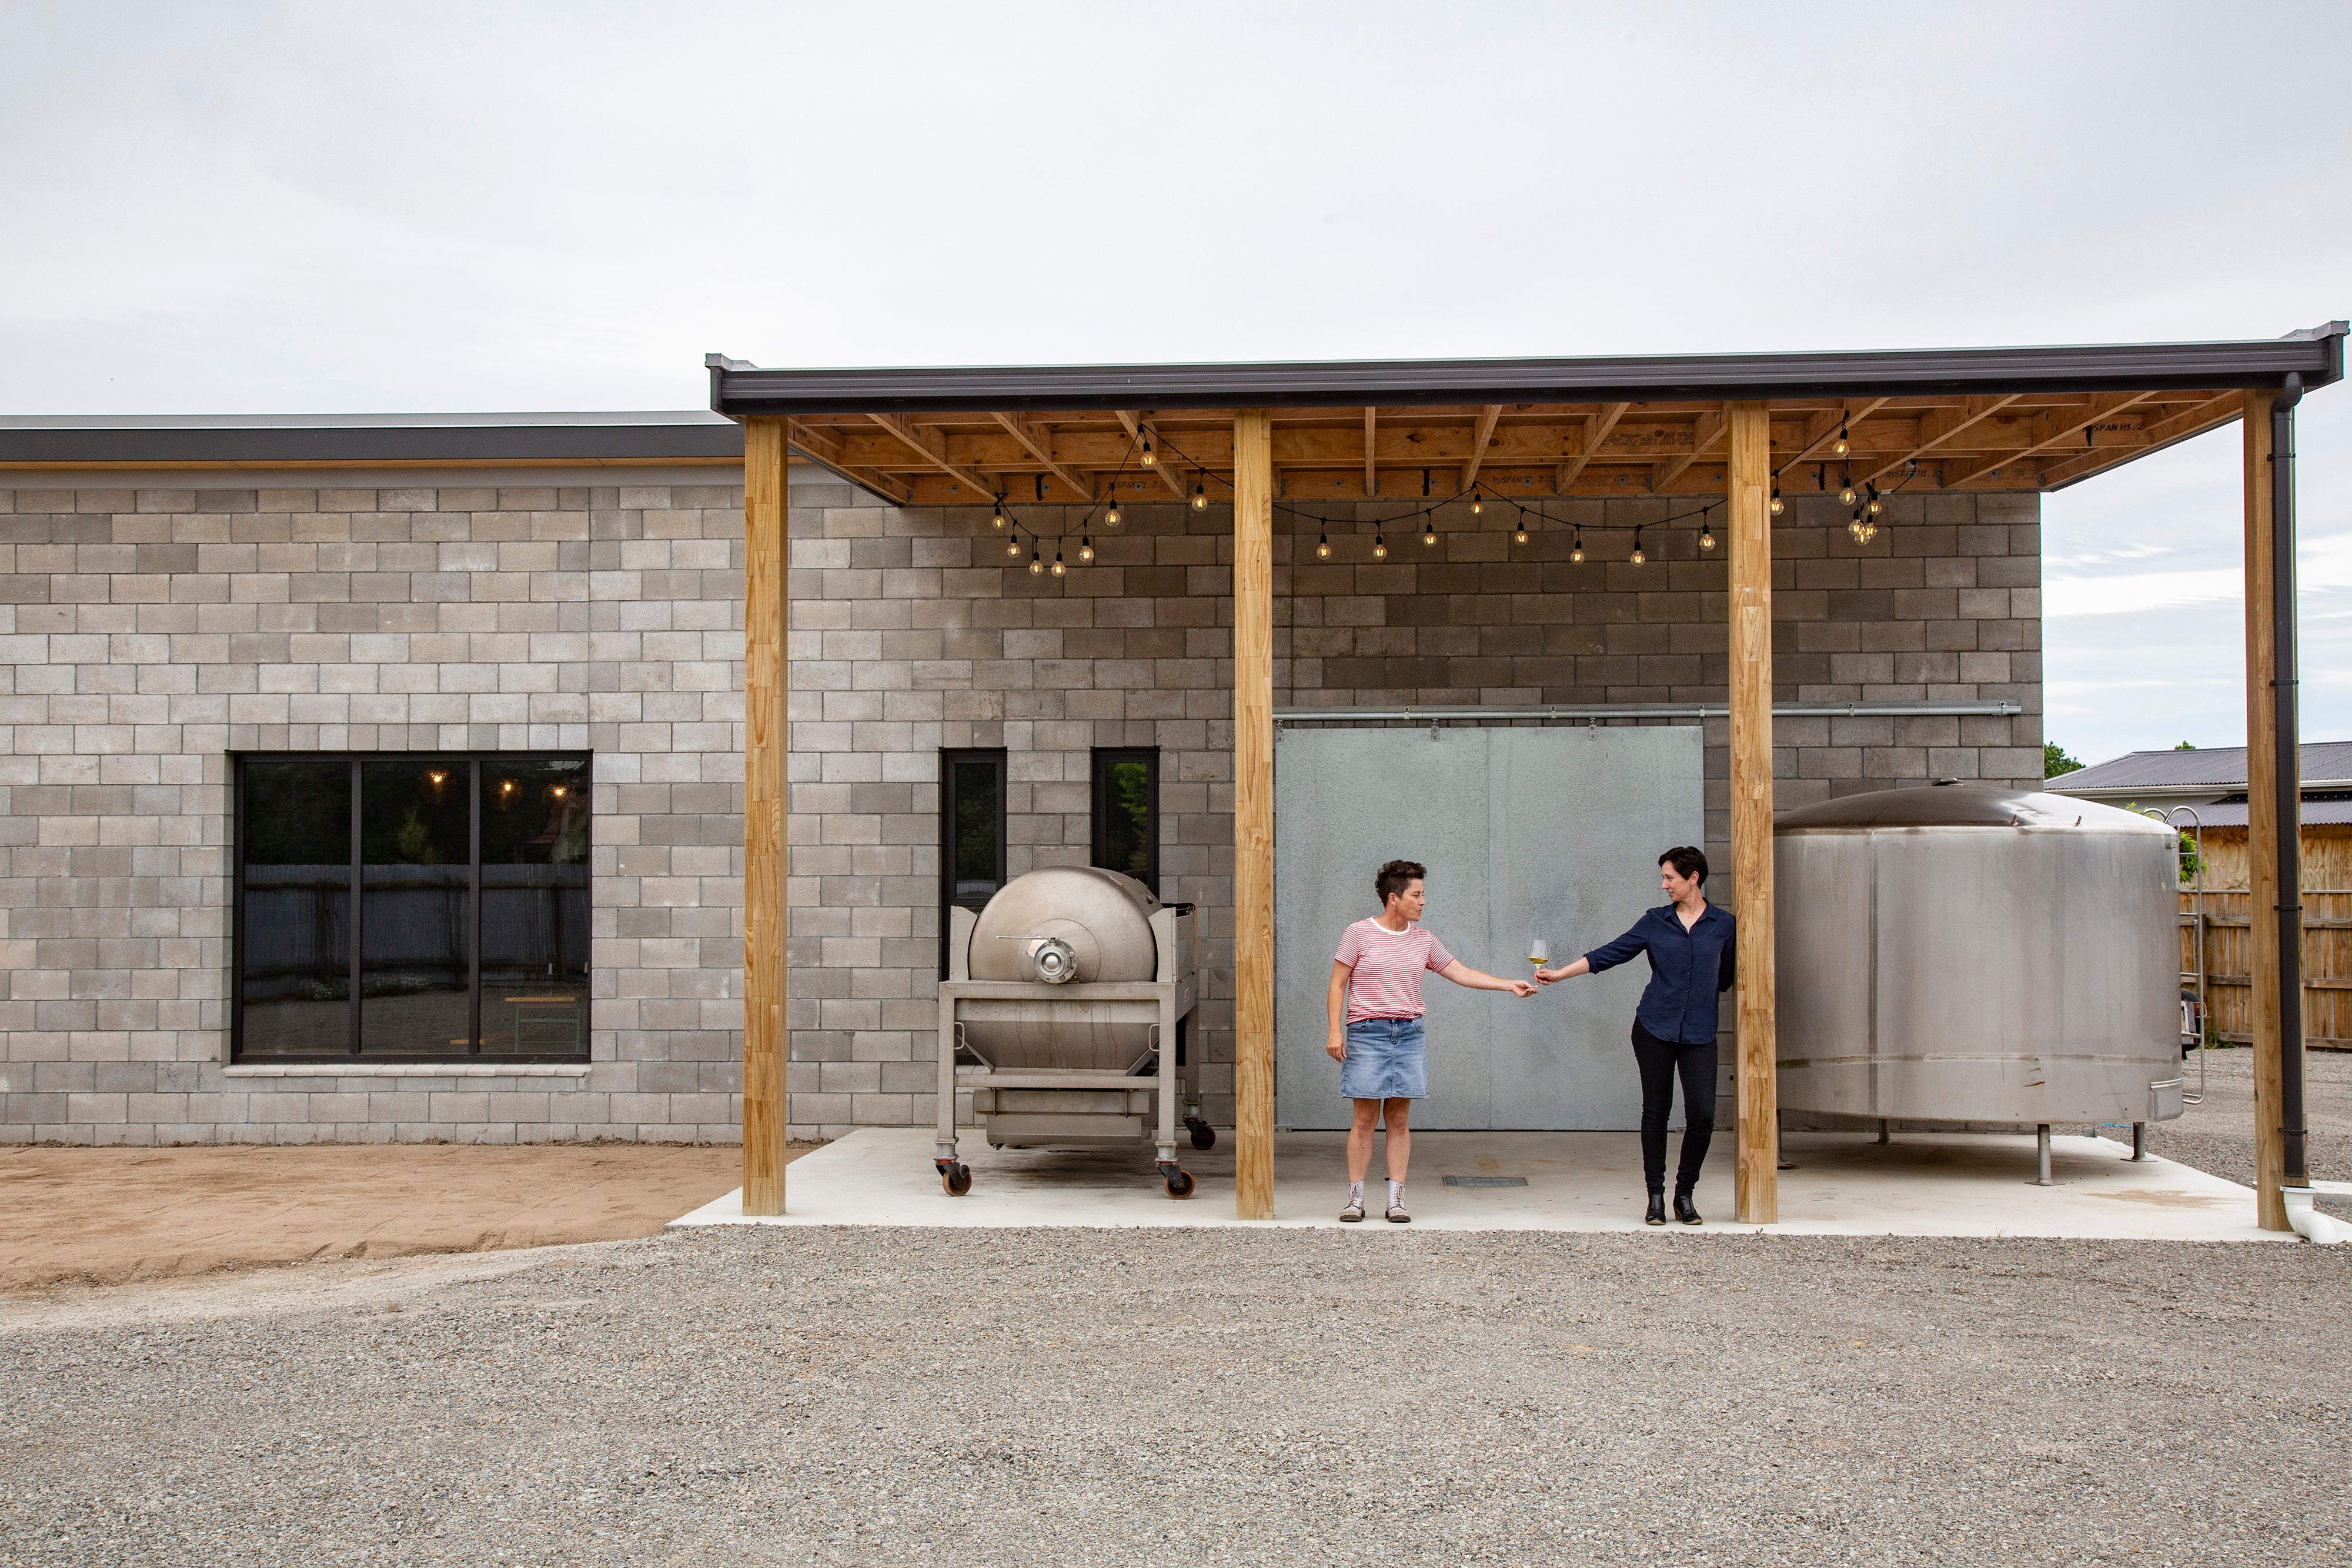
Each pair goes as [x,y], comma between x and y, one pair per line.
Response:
[1659,1060]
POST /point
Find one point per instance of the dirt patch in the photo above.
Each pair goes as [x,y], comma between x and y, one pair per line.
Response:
[110,1215]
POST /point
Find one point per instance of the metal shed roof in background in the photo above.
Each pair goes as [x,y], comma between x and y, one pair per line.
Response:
[2324,763]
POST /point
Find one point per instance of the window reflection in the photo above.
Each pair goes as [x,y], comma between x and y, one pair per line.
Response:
[294,973]
[416,881]
[534,906]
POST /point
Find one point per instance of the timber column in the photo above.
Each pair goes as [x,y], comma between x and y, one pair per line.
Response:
[1748,484]
[765,612]
[1254,814]
[2263,826]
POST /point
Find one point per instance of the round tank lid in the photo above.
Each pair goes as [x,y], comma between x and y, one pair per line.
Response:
[1951,804]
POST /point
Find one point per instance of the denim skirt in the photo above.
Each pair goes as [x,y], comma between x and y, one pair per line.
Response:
[1386,1060]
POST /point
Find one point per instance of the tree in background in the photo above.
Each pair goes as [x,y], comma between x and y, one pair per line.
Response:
[2056,761]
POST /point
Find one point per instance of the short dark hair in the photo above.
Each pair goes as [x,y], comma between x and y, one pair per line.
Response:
[1395,877]
[1687,862]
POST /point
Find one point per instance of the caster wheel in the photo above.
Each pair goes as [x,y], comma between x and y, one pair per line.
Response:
[1204,1137]
[1181,1184]
[957,1179]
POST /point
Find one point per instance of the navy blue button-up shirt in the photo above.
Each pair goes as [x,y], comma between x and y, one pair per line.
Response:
[1687,968]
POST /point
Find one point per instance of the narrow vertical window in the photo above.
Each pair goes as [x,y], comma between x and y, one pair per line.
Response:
[534,816]
[971,833]
[415,919]
[1126,813]
[294,968]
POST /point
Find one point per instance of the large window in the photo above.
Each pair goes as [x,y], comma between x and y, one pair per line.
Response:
[971,833]
[455,887]
[1126,813]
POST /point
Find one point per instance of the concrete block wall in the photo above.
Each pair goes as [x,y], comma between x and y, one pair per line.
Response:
[148,634]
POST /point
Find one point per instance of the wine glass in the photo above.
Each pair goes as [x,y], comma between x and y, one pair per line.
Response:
[1538,952]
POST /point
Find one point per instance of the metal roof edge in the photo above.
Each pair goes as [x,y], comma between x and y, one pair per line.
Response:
[347,439]
[2316,354]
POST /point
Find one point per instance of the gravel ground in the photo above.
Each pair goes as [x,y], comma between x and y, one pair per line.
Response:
[918,1396]
[2219,1135]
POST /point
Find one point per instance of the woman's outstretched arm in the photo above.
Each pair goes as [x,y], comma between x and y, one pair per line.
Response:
[1626,946]
[1565,972]
[1462,974]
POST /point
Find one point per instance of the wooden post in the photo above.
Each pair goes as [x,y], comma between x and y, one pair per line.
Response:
[1254,814]
[766,612]
[2262,827]
[1748,484]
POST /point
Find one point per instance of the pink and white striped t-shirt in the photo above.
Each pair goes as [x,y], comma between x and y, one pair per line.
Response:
[1388,965]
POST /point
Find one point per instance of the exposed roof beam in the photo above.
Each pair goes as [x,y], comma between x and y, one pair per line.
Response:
[1039,444]
[1703,435]
[2192,421]
[1371,469]
[824,448]
[933,449]
[1940,425]
[1823,427]
[1135,428]
[1486,418]
[2047,431]
[1596,431]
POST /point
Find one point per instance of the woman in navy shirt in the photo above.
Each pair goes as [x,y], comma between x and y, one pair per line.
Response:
[1693,950]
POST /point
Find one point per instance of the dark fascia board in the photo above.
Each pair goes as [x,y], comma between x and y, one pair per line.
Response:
[739,390]
[342,439]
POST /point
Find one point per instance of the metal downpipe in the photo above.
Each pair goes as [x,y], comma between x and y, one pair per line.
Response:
[2289,783]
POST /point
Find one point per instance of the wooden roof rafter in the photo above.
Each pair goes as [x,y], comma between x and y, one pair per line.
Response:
[1488,418]
[1596,431]
[2048,430]
[932,448]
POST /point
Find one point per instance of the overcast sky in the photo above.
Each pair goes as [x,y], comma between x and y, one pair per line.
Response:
[258,207]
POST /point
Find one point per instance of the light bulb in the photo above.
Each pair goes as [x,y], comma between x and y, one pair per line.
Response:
[1638,556]
[1578,553]
[1845,496]
[1380,547]
[1012,547]
[998,520]
[1476,506]
[1778,505]
[1058,568]
[1200,497]
[1429,534]
[1147,459]
[1840,447]
[1521,535]
[1085,548]
[1036,566]
[1705,537]
[1877,506]
[1323,548]
[1111,519]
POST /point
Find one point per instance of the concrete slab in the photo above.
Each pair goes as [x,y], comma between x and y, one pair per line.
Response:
[1843,1184]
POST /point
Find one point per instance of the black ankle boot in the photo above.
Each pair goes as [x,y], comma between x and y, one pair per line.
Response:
[1685,1209]
[1657,1215]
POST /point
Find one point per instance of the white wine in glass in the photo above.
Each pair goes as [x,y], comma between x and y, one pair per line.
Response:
[1540,952]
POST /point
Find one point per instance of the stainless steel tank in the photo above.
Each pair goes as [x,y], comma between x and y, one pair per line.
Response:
[1969,952]
[1060,925]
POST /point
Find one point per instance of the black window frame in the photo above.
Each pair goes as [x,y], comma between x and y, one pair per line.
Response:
[949,757]
[473,762]
[1098,798]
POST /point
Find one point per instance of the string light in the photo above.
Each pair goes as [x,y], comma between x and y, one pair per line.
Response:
[1085,548]
[1877,506]
[1845,490]
[1577,551]
[1036,566]
[1323,548]
[1429,533]
[1840,447]
[1522,534]
[1111,519]
[1705,534]
[1200,497]
[1058,568]
[1779,505]
[1380,546]
[998,520]
[1012,546]
[1638,556]
[1476,506]
[1148,459]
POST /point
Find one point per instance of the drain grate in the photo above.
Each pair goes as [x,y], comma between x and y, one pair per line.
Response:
[1486,1181]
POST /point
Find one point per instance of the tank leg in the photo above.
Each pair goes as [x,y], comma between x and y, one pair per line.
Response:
[2139,1139]
[2041,1156]
[1882,1129]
